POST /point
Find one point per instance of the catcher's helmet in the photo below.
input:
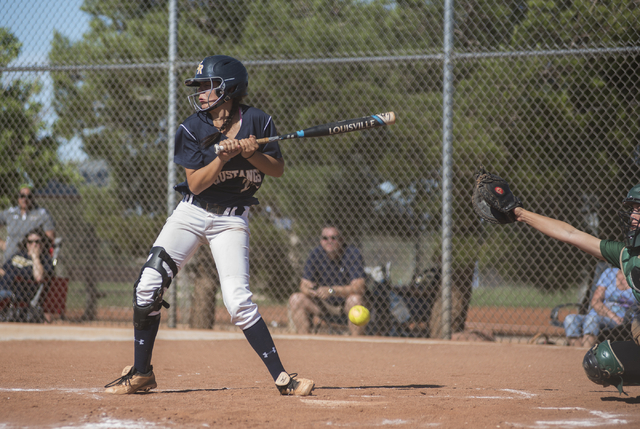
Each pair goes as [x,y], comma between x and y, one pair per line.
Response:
[630,224]
[603,367]
[228,77]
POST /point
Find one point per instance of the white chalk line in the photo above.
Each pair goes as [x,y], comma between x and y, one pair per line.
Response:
[52,389]
[520,395]
[103,423]
[596,419]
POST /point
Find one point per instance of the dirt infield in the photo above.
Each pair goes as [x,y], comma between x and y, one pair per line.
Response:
[52,377]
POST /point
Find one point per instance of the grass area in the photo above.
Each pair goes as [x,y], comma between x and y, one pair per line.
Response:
[518,296]
[121,294]
[117,295]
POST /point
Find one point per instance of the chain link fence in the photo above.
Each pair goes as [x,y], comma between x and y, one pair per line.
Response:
[546,94]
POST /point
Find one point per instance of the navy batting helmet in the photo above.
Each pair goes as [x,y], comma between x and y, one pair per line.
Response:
[228,79]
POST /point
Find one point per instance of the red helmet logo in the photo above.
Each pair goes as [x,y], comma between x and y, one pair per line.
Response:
[498,190]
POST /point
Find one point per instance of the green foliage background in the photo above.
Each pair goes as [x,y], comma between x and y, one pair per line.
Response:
[561,128]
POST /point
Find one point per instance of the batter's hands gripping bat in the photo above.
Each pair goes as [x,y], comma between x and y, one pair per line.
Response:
[332,128]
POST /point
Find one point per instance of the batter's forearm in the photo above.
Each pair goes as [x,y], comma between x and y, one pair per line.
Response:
[267,164]
[201,179]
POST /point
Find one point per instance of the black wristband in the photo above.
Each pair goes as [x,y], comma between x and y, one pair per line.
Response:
[254,152]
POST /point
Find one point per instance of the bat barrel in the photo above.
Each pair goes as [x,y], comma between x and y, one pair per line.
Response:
[349,125]
[340,127]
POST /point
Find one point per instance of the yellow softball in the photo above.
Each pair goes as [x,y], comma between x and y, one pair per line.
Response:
[359,315]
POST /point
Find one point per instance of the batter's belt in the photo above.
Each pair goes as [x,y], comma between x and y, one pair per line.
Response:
[214,208]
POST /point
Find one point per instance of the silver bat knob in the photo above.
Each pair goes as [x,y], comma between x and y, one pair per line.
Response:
[218,148]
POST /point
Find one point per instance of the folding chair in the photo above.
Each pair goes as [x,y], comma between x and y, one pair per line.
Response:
[55,302]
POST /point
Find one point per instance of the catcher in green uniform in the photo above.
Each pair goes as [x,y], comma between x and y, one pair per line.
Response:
[606,363]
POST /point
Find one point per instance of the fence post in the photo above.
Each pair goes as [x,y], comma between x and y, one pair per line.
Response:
[171,130]
[447,129]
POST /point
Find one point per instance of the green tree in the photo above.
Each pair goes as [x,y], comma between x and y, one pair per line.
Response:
[115,114]
[28,153]
[527,113]
[551,122]
[119,114]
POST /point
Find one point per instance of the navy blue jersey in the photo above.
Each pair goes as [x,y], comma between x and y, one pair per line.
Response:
[328,272]
[239,179]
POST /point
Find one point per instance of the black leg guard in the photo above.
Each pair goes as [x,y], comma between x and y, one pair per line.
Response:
[613,364]
[141,318]
[628,353]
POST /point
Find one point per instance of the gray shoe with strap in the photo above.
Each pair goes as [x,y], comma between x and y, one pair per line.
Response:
[132,381]
[288,384]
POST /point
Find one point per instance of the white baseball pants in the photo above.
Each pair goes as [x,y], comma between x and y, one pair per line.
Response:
[185,230]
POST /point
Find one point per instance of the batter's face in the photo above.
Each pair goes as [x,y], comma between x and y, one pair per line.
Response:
[208,93]
[331,241]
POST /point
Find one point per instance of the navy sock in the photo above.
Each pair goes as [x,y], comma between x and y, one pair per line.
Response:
[260,339]
[143,346]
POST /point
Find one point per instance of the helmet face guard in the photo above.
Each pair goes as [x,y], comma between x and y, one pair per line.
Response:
[630,218]
[227,77]
[630,230]
[214,94]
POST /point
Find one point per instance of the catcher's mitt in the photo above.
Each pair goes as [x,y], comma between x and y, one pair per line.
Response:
[493,201]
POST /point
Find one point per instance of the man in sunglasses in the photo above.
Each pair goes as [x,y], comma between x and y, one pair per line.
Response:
[333,281]
[21,219]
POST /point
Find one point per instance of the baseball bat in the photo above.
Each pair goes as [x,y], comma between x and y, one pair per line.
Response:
[332,128]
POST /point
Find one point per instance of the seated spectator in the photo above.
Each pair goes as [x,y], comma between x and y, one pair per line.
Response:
[21,276]
[611,299]
[23,218]
[333,281]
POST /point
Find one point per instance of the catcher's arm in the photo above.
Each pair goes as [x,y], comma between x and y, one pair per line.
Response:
[560,230]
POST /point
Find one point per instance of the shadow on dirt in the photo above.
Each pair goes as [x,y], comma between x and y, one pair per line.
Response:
[624,399]
[405,387]
[193,390]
